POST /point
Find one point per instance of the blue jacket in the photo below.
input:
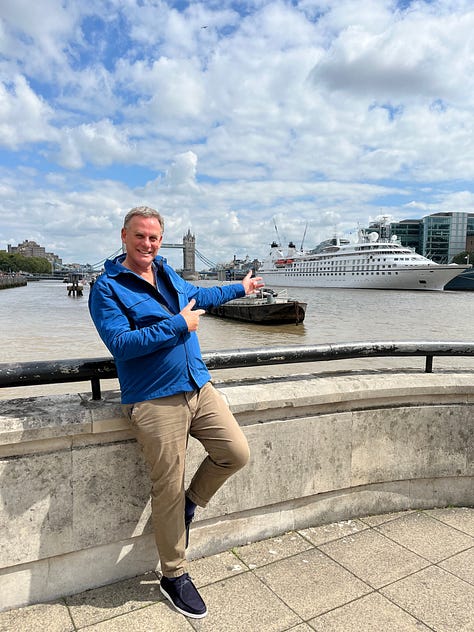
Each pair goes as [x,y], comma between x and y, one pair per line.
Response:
[154,353]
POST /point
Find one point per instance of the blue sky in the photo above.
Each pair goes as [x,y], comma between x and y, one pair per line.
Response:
[230,117]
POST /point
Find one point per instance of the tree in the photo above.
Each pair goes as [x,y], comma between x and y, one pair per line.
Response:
[463,257]
[18,263]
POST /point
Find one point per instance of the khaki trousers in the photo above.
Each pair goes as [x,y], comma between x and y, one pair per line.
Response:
[162,427]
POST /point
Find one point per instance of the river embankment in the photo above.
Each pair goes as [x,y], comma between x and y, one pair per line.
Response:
[16,280]
[75,509]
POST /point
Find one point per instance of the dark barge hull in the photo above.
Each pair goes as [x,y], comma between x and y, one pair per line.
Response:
[291,312]
[464,281]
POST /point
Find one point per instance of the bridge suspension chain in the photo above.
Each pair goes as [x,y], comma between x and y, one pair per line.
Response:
[205,260]
[102,261]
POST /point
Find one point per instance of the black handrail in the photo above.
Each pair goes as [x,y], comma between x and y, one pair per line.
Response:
[58,372]
[95,369]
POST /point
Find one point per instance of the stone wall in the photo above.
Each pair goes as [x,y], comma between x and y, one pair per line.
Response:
[74,511]
[7,281]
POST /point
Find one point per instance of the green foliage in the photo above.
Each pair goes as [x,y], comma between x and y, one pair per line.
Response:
[461,257]
[18,263]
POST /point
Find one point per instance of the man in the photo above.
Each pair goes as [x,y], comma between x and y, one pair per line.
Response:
[148,316]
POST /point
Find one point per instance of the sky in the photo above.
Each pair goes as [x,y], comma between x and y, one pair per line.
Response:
[242,122]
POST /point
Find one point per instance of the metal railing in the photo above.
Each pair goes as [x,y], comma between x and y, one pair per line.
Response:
[97,369]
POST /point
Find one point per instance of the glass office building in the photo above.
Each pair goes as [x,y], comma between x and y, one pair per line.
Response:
[445,235]
[436,232]
[439,236]
[409,232]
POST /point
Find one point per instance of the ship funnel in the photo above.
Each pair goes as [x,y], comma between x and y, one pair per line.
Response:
[291,249]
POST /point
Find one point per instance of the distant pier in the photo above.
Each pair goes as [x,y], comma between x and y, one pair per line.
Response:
[75,286]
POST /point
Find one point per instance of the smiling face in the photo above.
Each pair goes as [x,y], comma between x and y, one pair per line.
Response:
[142,238]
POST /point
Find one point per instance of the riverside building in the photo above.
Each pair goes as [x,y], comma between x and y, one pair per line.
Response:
[439,236]
[29,248]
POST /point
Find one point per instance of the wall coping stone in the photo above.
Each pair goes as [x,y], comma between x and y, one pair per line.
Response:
[48,417]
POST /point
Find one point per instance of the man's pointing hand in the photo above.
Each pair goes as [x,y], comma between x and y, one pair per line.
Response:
[192,316]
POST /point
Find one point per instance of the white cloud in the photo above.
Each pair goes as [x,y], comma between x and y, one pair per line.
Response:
[24,116]
[411,57]
[35,34]
[323,113]
[176,90]
[182,172]
[99,143]
[449,202]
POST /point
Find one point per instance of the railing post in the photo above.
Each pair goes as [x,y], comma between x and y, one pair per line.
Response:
[429,364]
[95,384]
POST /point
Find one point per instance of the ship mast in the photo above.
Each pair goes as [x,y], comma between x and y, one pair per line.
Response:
[278,236]
[304,235]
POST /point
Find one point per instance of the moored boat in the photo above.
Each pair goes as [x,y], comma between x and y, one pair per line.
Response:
[267,307]
[463,282]
[370,263]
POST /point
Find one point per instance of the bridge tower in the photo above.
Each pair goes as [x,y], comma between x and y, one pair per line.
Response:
[189,257]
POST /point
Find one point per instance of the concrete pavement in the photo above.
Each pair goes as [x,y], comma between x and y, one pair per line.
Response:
[410,571]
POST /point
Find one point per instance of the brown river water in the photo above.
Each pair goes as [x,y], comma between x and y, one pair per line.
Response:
[41,322]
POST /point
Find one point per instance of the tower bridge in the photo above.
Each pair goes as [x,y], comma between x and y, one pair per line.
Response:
[189,255]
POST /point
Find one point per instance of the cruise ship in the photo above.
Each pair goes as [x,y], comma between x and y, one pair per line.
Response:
[371,263]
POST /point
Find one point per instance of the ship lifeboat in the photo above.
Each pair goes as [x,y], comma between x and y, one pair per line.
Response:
[281,263]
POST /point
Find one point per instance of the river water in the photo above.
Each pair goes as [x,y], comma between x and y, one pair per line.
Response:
[41,322]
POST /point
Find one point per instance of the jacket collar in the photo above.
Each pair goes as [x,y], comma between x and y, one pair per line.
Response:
[115,266]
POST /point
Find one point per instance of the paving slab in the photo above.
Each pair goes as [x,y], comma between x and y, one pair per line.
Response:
[374,558]
[461,518]
[214,568]
[244,604]
[440,600]
[427,537]
[310,583]
[461,565]
[334,531]
[372,613]
[93,606]
[268,551]
[157,618]
[53,617]
[374,521]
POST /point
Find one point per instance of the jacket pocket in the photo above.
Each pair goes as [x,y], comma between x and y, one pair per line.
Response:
[144,311]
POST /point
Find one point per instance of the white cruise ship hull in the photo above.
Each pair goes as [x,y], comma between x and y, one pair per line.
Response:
[369,264]
[410,278]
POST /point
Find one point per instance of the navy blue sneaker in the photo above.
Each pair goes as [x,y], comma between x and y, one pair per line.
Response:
[183,596]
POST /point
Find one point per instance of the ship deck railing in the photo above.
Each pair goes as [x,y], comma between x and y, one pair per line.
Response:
[96,369]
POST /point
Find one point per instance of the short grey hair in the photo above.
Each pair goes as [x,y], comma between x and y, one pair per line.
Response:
[144,211]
